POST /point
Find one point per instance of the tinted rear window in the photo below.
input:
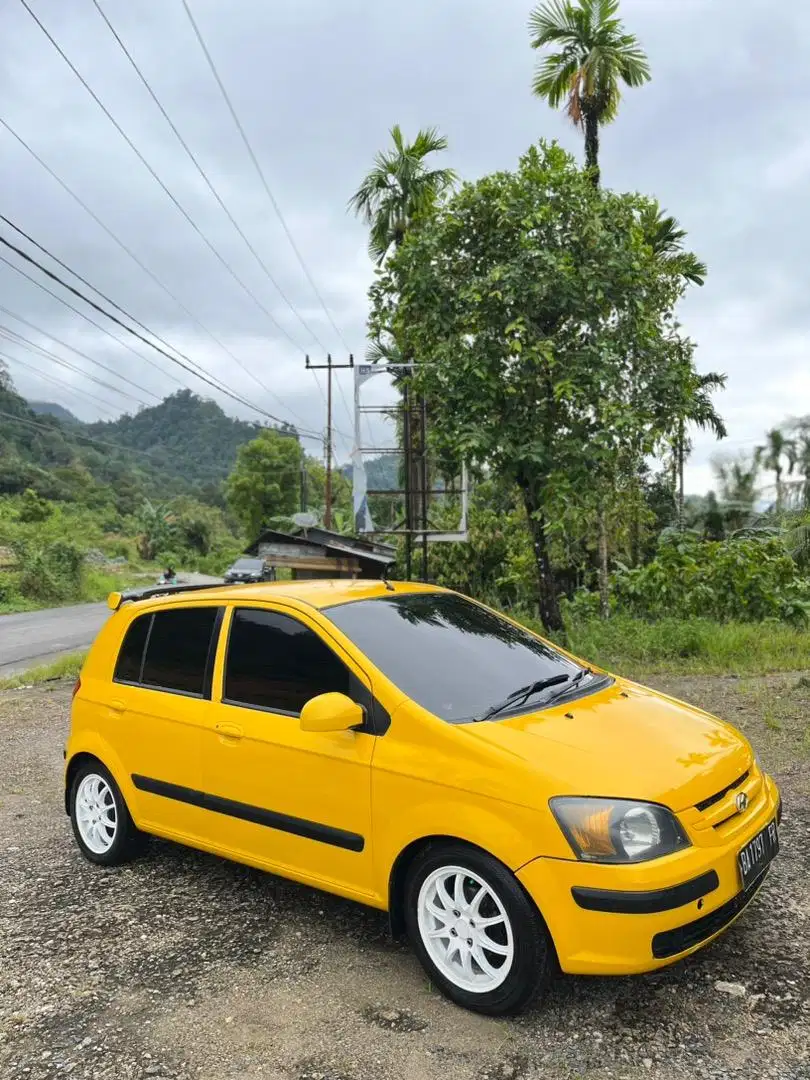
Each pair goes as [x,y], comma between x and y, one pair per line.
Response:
[179,650]
[128,665]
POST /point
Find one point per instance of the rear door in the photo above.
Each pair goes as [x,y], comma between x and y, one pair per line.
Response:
[299,801]
[160,704]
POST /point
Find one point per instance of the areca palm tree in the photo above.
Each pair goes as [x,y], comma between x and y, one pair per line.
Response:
[701,412]
[777,449]
[400,189]
[592,56]
[666,238]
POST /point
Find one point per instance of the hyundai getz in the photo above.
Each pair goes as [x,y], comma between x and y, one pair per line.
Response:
[513,808]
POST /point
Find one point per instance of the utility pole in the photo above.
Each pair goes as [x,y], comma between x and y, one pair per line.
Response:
[329,367]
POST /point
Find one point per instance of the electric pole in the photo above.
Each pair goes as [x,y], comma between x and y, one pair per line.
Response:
[329,367]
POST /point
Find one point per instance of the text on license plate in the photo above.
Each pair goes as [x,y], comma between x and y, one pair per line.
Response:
[758,853]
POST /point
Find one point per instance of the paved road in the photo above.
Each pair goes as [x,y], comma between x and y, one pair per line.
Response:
[39,637]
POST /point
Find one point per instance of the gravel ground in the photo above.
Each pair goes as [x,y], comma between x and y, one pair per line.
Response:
[184,966]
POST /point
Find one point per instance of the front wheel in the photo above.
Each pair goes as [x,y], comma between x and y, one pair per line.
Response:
[475,931]
[101,821]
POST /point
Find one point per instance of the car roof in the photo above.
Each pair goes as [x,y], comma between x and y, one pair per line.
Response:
[317,593]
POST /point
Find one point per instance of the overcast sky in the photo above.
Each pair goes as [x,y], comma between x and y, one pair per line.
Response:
[717,137]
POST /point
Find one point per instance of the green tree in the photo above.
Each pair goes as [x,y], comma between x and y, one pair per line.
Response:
[592,56]
[666,237]
[777,451]
[542,315]
[33,508]
[400,189]
[266,480]
[157,529]
[696,408]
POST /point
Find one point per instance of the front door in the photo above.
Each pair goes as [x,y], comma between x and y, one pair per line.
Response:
[159,707]
[295,801]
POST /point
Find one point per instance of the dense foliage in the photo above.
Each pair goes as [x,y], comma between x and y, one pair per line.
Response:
[543,320]
[185,435]
[746,579]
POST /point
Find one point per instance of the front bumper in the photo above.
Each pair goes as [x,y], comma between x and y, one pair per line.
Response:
[624,920]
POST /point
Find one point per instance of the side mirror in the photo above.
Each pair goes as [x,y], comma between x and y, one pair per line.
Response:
[331,712]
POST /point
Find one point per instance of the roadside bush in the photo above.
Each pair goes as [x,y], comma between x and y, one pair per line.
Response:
[739,579]
[52,573]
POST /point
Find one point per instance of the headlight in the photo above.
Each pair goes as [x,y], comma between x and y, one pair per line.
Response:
[618,830]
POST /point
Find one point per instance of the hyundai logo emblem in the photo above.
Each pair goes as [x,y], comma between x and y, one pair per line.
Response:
[742,801]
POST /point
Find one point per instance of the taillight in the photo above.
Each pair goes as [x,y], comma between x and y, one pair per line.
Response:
[77,687]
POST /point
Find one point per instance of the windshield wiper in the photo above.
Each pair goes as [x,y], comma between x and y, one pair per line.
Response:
[517,697]
[577,679]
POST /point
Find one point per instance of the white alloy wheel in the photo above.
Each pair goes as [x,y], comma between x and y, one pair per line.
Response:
[465,929]
[96,814]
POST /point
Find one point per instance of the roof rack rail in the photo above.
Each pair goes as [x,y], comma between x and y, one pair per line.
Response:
[160,590]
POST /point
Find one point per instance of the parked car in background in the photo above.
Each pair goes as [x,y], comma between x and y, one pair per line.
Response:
[248,569]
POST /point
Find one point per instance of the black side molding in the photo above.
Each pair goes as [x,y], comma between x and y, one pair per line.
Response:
[646,903]
[257,815]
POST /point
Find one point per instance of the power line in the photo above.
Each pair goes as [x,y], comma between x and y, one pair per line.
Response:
[259,170]
[52,337]
[90,285]
[117,240]
[271,197]
[74,391]
[98,326]
[209,184]
[25,343]
[115,319]
[167,191]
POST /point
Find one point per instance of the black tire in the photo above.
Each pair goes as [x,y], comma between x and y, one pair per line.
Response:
[533,960]
[127,841]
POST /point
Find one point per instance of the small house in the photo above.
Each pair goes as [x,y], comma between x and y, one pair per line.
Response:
[319,553]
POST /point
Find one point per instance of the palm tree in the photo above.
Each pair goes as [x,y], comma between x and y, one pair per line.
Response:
[592,56]
[701,412]
[665,236]
[777,447]
[400,189]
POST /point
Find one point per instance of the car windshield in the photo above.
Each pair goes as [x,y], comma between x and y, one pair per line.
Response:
[450,655]
[247,564]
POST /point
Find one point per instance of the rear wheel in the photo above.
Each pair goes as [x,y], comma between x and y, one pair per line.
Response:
[101,822]
[475,930]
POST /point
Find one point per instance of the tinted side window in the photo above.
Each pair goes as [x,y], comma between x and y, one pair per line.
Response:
[178,647]
[128,665]
[275,662]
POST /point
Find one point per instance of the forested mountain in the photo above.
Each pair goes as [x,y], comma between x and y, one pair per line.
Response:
[50,408]
[185,435]
[185,445]
[38,451]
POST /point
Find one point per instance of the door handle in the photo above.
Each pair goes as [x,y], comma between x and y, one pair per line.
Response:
[229,731]
[116,705]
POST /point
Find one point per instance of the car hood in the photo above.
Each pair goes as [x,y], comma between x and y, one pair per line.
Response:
[625,741]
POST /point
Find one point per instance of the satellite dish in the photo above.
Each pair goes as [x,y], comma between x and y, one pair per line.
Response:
[305,521]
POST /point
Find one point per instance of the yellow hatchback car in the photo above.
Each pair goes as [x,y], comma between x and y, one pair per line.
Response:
[511,807]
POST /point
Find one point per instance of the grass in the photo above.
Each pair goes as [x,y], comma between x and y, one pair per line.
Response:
[96,585]
[692,646]
[66,667]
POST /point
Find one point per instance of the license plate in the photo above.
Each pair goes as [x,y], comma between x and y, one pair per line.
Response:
[758,853]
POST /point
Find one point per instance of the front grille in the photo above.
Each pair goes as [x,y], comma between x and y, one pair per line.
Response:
[671,942]
[712,799]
